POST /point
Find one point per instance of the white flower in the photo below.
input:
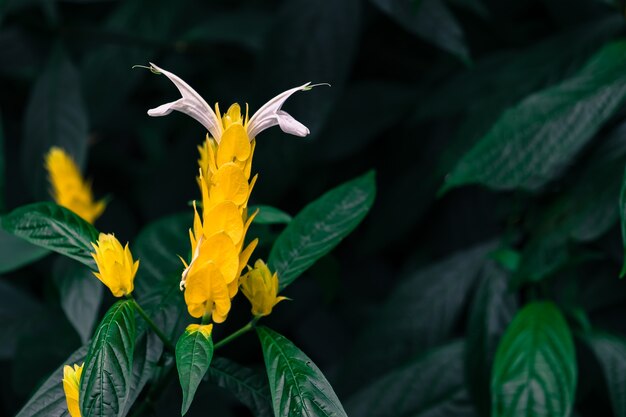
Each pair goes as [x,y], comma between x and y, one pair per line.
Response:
[270,114]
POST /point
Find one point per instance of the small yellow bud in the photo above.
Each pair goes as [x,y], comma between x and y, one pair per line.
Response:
[261,288]
[205,329]
[115,265]
[71,384]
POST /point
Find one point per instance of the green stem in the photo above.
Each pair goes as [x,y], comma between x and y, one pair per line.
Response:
[166,341]
[245,329]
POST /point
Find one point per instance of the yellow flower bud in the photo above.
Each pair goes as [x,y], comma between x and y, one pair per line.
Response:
[71,384]
[261,288]
[69,189]
[205,329]
[115,265]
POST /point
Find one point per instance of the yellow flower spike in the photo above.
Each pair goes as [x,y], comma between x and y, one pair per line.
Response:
[224,217]
[207,292]
[71,384]
[234,146]
[221,250]
[229,183]
[69,189]
[116,268]
[261,288]
[205,329]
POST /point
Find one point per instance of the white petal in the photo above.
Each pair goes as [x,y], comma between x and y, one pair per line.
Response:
[290,125]
[267,116]
[191,104]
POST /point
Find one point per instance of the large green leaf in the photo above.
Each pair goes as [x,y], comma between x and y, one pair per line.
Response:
[18,310]
[535,373]
[49,400]
[16,253]
[55,228]
[194,352]
[81,295]
[534,141]
[610,351]
[106,380]
[55,116]
[297,385]
[245,384]
[492,309]
[429,385]
[320,226]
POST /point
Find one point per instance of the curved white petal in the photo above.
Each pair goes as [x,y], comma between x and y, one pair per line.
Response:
[268,116]
[191,103]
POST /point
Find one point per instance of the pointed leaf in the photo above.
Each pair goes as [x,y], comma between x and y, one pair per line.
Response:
[269,215]
[534,141]
[16,253]
[535,373]
[247,385]
[297,386]
[610,351]
[320,226]
[194,352]
[55,228]
[106,381]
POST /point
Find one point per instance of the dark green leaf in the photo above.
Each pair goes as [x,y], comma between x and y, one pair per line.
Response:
[610,351]
[535,371]
[55,116]
[534,141]
[81,295]
[492,309]
[106,380]
[194,352]
[430,384]
[297,385]
[320,226]
[16,253]
[55,228]
[49,400]
[269,215]
[17,308]
[245,384]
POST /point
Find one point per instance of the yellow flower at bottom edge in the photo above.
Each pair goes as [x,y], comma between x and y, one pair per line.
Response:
[205,329]
[71,384]
[69,189]
[261,288]
[115,265]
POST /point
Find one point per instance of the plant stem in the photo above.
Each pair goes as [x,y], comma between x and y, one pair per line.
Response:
[166,341]
[245,329]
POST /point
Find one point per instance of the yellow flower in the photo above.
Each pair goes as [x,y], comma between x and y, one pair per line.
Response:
[69,189]
[115,265]
[205,329]
[71,384]
[261,288]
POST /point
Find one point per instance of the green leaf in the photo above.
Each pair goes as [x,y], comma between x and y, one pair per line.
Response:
[16,253]
[17,310]
[55,116]
[81,295]
[534,141]
[194,352]
[535,372]
[269,215]
[248,386]
[49,399]
[55,228]
[431,384]
[491,311]
[610,351]
[320,226]
[106,380]
[297,386]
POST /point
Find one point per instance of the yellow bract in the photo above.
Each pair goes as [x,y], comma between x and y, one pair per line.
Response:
[69,189]
[71,384]
[261,288]
[115,265]
[205,329]
[217,237]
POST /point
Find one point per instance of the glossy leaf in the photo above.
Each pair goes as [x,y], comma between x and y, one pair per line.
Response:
[194,352]
[320,226]
[245,384]
[55,116]
[81,295]
[269,215]
[534,141]
[535,371]
[49,399]
[54,228]
[610,351]
[16,253]
[106,381]
[297,386]
[431,385]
